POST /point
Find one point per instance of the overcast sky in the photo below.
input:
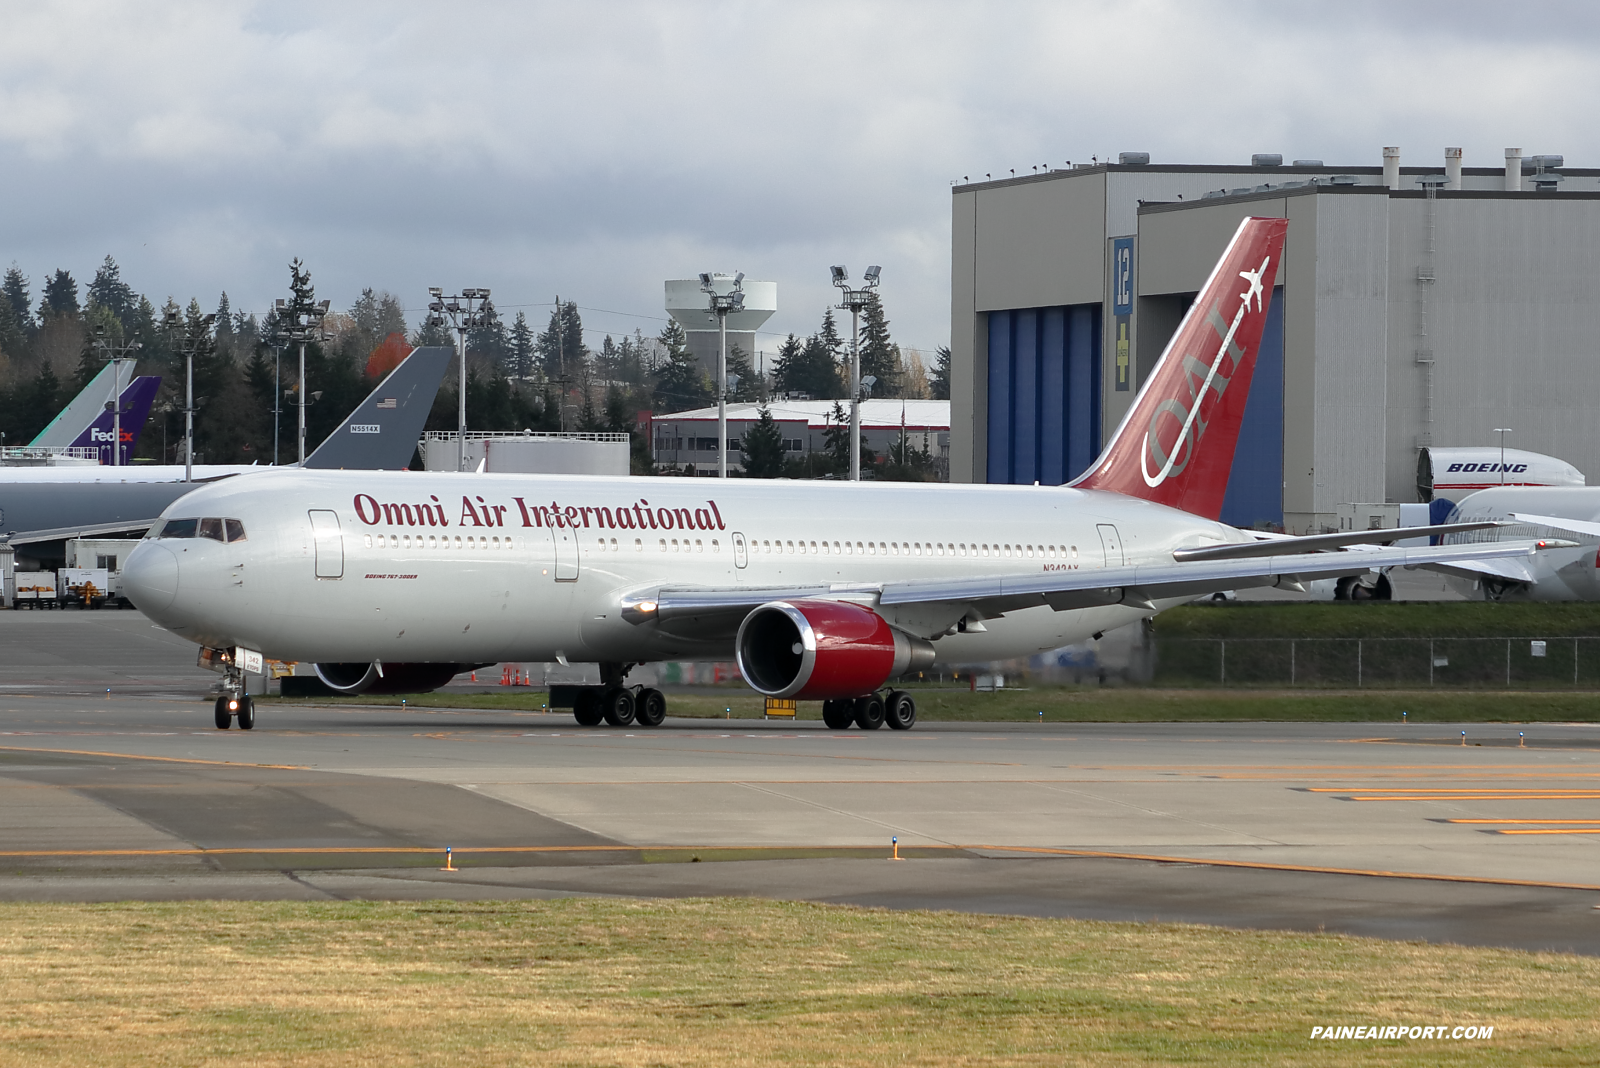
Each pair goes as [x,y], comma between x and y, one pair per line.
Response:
[595,149]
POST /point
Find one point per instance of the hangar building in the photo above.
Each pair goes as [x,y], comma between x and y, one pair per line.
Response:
[1414,307]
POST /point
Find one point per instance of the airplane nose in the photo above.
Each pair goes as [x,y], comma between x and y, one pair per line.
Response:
[150,577]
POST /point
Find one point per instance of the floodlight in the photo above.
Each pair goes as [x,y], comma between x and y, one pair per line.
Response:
[872,275]
[705,280]
[840,275]
[869,380]
[737,279]
[433,291]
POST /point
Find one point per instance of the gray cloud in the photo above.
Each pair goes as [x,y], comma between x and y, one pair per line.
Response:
[597,149]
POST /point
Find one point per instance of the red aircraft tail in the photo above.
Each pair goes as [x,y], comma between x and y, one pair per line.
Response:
[1175,446]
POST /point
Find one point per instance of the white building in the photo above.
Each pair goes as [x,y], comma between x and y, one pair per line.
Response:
[691,437]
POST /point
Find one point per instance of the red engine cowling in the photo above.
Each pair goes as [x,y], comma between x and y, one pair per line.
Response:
[394,678]
[823,650]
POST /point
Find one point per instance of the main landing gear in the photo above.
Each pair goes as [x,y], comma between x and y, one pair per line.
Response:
[898,709]
[612,702]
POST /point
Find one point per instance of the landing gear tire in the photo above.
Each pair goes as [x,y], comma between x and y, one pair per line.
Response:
[224,718]
[838,715]
[869,712]
[900,711]
[649,708]
[617,705]
[587,710]
[247,712]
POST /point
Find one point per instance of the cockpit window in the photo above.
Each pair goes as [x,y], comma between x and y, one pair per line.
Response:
[215,529]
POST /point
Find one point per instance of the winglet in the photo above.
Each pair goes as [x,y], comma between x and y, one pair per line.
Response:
[382,433]
[1175,446]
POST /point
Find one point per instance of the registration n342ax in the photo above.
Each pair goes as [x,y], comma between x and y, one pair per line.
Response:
[821,590]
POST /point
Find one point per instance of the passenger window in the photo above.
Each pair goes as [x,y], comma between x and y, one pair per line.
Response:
[367,541]
[211,528]
[234,528]
[716,547]
[699,546]
[638,545]
[179,528]
[1074,552]
[663,544]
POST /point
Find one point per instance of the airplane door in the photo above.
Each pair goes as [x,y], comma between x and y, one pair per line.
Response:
[566,554]
[740,556]
[329,543]
[1111,542]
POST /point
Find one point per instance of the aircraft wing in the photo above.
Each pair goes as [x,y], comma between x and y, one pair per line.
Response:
[1140,585]
[1514,570]
[1577,526]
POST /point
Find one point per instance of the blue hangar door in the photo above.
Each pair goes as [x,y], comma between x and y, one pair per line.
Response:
[1044,393]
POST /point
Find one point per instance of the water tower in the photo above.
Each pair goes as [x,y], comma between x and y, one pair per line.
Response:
[687,303]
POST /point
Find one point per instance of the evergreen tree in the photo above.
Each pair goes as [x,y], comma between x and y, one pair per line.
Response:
[939,381]
[880,357]
[786,365]
[680,384]
[60,296]
[520,362]
[489,342]
[17,296]
[109,291]
[13,339]
[43,399]
[746,388]
[763,447]
[560,347]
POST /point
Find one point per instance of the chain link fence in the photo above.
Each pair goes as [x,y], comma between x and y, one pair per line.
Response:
[1401,663]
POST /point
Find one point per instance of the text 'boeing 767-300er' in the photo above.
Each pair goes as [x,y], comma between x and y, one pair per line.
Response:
[821,590]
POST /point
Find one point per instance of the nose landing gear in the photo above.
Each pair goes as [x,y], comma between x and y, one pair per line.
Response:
[233,703]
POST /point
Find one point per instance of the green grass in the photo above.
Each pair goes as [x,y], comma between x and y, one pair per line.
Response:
[1062,704]
[1379,619]
[743,982]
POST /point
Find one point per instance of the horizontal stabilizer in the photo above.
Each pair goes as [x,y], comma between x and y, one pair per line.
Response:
[382,433]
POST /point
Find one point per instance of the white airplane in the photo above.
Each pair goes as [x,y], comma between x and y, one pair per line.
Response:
[1567,572]
[820,590]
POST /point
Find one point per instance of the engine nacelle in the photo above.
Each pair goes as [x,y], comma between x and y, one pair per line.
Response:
[824,650]
[394,678]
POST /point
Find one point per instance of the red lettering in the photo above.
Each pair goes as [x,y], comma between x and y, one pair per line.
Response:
[702,519]
[361,512]
[469,512]
[716,513]
[685,520]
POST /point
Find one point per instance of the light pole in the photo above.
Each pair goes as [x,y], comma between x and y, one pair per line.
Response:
[277,341]
[468,310]
[305,325]
[116,352]
[720,304]
[1502,431]
[189,345]
[854,301]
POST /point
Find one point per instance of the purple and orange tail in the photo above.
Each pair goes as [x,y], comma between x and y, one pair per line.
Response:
[1175,446]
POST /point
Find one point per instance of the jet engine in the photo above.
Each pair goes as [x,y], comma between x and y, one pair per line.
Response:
[824,650]
[391,678]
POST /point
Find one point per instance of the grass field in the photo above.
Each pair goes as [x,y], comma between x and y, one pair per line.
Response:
[742,982]
[1061,704]
[1379,619]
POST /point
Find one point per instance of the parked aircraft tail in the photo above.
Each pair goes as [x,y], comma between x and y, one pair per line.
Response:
[73,421]
[135,403]
[1176,444]
[382,433]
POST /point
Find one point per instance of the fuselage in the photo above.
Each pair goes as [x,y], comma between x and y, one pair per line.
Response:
[412,567]
[1561,574]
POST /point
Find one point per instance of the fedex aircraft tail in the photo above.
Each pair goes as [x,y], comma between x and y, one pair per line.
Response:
[1175,446]
[74,420]
[135,403]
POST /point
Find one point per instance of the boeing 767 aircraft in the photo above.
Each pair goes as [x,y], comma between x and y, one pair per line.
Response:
[821,590]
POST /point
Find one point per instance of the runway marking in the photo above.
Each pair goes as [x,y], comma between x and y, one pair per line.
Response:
[1593,830]
[1049,851]
[160,759]
[1591,796]
[1519,820]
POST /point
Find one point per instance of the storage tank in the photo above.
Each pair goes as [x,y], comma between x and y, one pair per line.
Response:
[687,303]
